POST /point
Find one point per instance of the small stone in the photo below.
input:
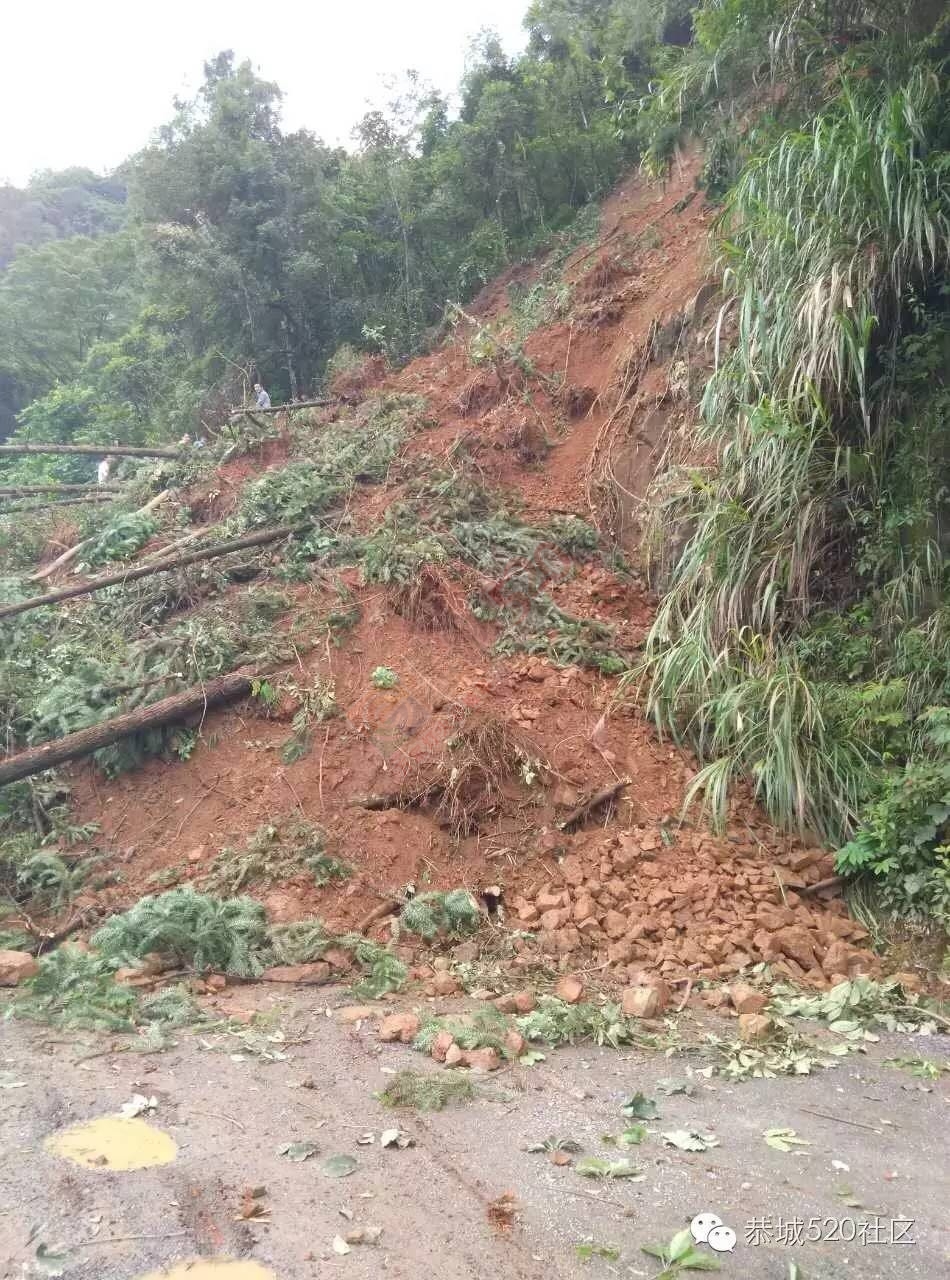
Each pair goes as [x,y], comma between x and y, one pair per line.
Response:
[550,901]
[572,870]
[403,1027]
[441,1045]
[355,1013]
[797,943]
[615,925]
[746,999]
[645,1001]
[482,1059]
[569,989]
[307,974]
[838,957]
[584,908]
[443,984]
[754,1027]
[16,967]
[515,1042]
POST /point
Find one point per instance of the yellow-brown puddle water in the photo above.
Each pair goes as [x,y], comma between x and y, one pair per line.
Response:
[114,1143]
[222,1268]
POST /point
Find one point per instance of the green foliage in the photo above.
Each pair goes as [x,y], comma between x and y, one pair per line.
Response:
[427,1091]
[825,434]
[76,989]
[856,1003]
[119,540]
[556,1022]
[680,1255]
[427,914]
[195,929]
[382,971]
[483,1028]
[48,880]
[274,853]
[904,842]
[547,629]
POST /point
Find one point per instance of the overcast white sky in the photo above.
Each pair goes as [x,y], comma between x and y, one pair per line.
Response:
[85,84]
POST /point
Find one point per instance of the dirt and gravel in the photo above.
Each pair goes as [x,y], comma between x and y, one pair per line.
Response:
[876,1155]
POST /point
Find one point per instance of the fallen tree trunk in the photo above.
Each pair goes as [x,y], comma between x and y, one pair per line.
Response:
[27,490]
[167,711]
[279,408]
[259,539]
[76,500]
[94,450]
[593,802]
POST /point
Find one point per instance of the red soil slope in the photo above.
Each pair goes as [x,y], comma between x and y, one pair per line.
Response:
[631,887]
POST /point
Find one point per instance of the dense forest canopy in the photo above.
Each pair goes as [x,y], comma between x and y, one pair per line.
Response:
[228,245]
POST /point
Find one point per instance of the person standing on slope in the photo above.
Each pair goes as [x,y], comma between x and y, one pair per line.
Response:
[263,399]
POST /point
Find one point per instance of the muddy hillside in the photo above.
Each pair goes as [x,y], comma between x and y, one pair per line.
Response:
[449,706]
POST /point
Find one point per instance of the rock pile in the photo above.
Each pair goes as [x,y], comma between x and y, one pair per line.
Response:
[694,905]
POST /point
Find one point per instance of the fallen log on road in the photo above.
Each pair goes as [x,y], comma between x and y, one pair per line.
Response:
[83,743]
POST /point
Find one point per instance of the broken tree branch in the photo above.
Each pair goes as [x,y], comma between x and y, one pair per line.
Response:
[594,802]
[97,499]
[279,408]
[26,490]
[259,539]
[74,746]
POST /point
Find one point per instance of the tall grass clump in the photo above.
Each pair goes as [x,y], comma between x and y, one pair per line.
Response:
[802,534]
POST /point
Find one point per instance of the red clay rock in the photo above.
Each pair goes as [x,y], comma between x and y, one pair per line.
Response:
[754,1027]
[16,967]
[569,989]
[746,999]
[515,1042]
[647,1000]
[584,908]
[482,1059]
[307,974]
[615,924]
[355,1013]
[441,1045]
[443,984]
[797,943]
[403,1027]
[572,869]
